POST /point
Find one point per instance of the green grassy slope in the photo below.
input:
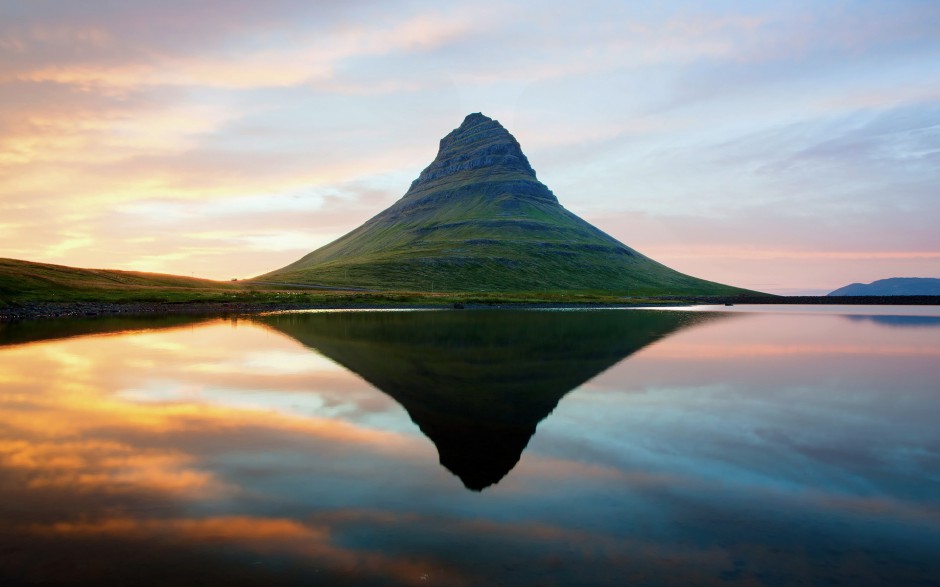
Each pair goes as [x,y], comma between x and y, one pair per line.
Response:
[477,219]
[489,244]
[24,281]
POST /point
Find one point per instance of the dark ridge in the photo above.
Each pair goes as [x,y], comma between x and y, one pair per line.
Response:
[812,300]
[893,286]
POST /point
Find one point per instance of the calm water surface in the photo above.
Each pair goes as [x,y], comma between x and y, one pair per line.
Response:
[746,446]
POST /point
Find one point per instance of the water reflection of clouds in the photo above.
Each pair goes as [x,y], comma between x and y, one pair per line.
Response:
[766,421]
[77,439]
[450,549]
[679,466]
[258,535]
[106,466]
[54,425]
[742,351]
[258,369]
[756,436]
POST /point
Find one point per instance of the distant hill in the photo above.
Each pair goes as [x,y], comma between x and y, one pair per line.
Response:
[478,219]
[894,286]
[25,281]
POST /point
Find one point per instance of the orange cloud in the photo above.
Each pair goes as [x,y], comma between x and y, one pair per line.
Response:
[79,394]
[256,534]
[234,528]
[105,466]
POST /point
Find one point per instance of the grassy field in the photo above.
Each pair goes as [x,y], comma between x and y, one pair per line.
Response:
[23,282]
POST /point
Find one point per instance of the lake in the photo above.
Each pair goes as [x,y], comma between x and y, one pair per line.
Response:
[706,446]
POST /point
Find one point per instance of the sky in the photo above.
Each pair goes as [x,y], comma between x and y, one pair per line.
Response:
[789,147]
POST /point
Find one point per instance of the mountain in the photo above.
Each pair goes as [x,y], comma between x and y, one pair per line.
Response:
[478,219]
[477,383]
[893,286]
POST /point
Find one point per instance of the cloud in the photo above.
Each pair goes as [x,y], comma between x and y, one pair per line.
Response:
[777,123]
[285,50]
[105,466]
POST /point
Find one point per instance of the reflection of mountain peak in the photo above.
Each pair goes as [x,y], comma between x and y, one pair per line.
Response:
[480,453]
[478,383]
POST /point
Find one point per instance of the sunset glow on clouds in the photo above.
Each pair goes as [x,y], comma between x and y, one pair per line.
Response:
[788,147]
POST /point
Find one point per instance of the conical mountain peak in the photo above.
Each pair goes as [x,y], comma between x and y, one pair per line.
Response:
[475,119]
[478,219]
[478,148]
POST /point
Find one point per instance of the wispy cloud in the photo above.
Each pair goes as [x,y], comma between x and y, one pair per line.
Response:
[777,123]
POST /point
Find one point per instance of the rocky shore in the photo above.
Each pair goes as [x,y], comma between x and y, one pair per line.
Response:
[86,309]
[38,310]
[811,300]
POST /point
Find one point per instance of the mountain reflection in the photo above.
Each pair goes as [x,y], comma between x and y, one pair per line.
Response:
[13,333]
[478,383]
[897,321]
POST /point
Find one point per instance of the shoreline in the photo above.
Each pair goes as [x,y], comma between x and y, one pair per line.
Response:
[49,310]
[54,310]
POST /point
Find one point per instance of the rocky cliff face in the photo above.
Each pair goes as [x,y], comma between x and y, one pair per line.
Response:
[479,142]
[478,148]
